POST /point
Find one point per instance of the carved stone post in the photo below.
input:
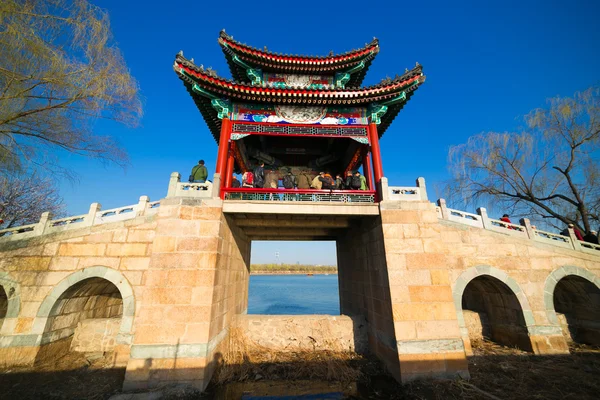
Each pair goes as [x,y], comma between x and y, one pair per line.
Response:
[422,188]
[574,240]
[443,208]
[216,188]
[527,224]
[143,205]
[91,217]
[43,222]
[484,217]
[384,192]
[175,178]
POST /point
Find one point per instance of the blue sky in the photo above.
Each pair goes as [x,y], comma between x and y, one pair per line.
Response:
[487,63]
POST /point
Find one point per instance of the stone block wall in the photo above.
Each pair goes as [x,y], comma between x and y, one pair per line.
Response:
[305,332]
[196,280]
[96,335]
[365,287]
[425,322]
[477,324]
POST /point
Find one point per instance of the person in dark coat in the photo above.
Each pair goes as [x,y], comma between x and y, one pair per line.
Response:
[259,175]
[591,237]
[348,181]
[339,182]
[327,181]
[235,183]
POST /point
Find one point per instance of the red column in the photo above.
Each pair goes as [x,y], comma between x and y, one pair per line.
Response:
[229,170]
[374,138]
[223,147]
[367,171]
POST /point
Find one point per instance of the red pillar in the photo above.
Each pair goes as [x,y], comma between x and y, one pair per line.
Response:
[223,147]
[374,138]
[229,170]
[367,171]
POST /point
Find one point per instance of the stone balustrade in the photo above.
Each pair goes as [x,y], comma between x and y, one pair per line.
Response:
[95,216]
[523,230]
[404,193]
[191,189]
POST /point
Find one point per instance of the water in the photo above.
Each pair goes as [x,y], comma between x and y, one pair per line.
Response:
[294,294]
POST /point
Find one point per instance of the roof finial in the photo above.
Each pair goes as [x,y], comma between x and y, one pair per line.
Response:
[405,70]
[265,49]
[192,60]
[417,64]
[180,53]
[330,53]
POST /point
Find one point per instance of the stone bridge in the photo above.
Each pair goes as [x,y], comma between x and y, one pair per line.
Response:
[159,284]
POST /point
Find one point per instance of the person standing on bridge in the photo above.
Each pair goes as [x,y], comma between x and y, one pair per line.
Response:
[259,175]
[199,173]
[289,180]
[591,237]
[316,183]
[303,180]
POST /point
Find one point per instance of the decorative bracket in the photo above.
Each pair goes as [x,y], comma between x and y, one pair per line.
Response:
[342,78]
[223,107]
[377,111]
[255,74]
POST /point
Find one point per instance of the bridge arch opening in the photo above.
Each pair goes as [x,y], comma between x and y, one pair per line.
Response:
[492,311]
[86,318]
[577,305]
[3,305]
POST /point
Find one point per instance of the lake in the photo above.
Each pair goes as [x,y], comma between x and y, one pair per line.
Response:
[294,294]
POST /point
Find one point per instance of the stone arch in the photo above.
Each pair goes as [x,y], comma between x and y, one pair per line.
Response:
[10,302]
[113,276]
[572,301]
[507,296]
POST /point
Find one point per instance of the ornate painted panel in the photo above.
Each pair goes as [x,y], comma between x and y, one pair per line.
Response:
[298,81]
[299,114]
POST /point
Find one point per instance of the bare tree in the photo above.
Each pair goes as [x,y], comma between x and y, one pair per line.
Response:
[549,171]
[59,72]
[23,199]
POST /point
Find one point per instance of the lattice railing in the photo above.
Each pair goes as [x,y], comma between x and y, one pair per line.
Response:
[300,195]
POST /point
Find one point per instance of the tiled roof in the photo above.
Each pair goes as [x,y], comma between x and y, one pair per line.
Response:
[221,87]
[297,64]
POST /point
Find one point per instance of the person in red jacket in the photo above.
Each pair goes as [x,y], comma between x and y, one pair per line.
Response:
[506,219]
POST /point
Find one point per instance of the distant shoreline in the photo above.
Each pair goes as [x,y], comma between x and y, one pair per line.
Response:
[292,273]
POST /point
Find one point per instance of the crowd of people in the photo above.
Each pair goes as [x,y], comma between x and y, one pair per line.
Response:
[304,180]
[270,179]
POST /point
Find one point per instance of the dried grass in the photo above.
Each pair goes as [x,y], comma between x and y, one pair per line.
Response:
[246,360]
